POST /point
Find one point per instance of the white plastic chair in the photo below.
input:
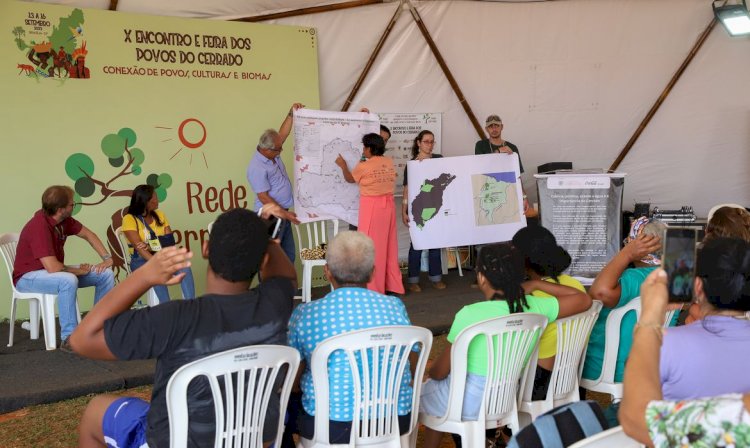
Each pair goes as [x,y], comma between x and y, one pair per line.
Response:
[378,359]
[444,259]
[670,316]
[572,338]
[151,298]
[611,438]
[8,246]
[242,381]
[517,342]
[606,381]
[309,236]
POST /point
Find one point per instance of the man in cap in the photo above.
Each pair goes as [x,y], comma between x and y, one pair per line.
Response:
[496,144]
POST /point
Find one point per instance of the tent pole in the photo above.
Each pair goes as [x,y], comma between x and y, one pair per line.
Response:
[667,90]
[310,10]
[113,5]
[446,70]
[373,56]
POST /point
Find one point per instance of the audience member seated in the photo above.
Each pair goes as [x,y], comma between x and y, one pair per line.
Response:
[544,260]
[350,306]
[146,227]
[229,315]
[40,258]
[500,278]
[647,417]
[731,221]
[712,356]
[616,285]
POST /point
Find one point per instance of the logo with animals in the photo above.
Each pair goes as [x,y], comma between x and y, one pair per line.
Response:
[52,52]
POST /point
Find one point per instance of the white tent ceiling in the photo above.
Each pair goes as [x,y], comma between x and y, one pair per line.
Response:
[572,80]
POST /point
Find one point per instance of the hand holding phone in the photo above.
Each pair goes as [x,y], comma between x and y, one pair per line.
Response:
[274,227]
[678,261]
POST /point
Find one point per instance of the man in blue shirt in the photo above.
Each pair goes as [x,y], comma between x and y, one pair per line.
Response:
[268,178]
[350,306]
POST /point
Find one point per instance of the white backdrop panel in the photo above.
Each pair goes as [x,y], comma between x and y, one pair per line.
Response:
[572,79]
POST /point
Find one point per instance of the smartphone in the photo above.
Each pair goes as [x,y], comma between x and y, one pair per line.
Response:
[678,260]
[274,227]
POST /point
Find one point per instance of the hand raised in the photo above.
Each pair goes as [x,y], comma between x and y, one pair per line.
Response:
[161,268]
[340,161]
[642,246]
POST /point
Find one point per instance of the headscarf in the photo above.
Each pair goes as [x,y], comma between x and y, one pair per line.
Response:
[635,230]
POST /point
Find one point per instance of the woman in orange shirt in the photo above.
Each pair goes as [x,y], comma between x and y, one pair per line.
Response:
[376,177]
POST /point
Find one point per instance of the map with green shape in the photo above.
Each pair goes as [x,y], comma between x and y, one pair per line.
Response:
[429,200]
[495,198]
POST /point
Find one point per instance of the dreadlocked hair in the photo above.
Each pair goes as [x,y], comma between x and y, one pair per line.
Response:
[503,269]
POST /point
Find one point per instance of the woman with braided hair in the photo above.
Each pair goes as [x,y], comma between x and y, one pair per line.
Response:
[500,276]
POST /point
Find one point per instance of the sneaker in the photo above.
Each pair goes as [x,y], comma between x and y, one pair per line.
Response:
[414,287]
[65,346]
[439,285]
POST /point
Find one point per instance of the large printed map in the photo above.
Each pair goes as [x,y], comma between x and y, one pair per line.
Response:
[464,200]
[320,189]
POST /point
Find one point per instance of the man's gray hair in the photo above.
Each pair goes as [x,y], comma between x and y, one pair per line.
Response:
[351,257]
[268,139]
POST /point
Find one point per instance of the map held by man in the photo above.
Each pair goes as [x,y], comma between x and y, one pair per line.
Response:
[429,200]
[495,198]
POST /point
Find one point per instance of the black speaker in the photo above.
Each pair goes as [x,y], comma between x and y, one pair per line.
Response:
[554,166]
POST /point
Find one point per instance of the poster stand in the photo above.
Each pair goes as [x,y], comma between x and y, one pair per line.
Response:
[582,209]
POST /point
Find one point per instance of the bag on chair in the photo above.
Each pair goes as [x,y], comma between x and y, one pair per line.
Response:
[562,426]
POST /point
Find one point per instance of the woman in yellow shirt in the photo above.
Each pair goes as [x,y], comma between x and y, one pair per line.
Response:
[544,260]
[142,226]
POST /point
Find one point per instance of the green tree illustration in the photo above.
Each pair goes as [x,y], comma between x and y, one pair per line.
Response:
[19,32]
[121,153]
[62,36]
[91,190]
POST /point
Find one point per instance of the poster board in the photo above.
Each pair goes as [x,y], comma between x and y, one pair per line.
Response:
[405,126]
[583,211]
[320,190]
[467,200]
[104,101]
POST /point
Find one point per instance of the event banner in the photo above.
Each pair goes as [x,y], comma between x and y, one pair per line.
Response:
[405,126]
[459,201]
[320,191]
[583,212]
[104,101]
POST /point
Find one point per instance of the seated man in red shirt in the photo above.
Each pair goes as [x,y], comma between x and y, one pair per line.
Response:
[40,258]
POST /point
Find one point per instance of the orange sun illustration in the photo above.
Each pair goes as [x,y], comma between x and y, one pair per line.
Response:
[192,135]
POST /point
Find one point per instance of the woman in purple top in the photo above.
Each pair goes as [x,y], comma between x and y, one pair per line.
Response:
[712,356]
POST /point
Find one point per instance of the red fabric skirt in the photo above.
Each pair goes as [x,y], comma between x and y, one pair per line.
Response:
[377,219]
